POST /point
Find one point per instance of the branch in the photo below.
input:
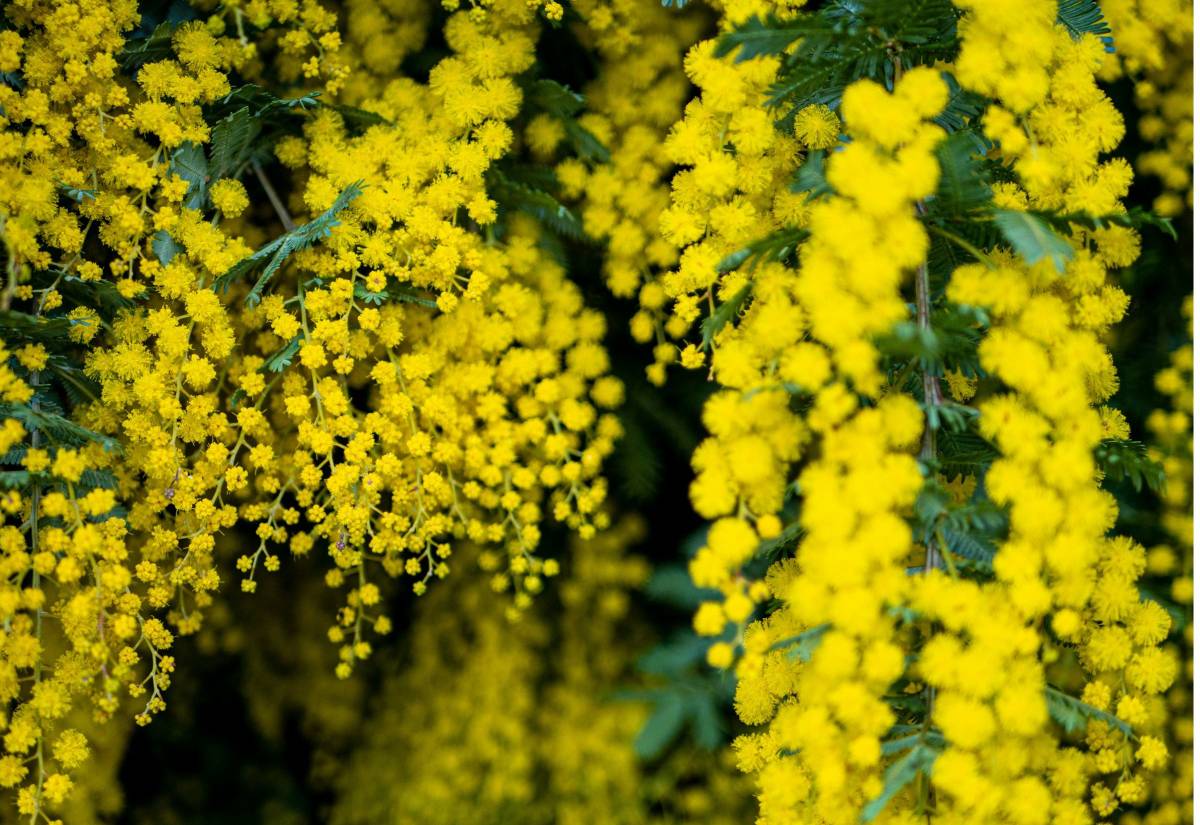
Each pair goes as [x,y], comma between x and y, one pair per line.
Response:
[284,216]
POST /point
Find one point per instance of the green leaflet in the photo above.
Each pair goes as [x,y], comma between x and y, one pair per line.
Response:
[1135,218]
[779,546]
[1033,238]
[950,342]
[777,246]
[262,102]
[1081,17]
[21,326]
[963,183]
[556,99]
[810,176]
[277,251]
[1073,714]
[78,195]
[722,315]
[686,699]
[844,42]
[232,140]
[190,164]
[899,774]
[756,37]
[661,728]
[970,531]
[56,427]
[15,479]
[961,110]
[153,47]
[282,359]
[354,116]
[802,646]
[164,247]
[394,292]
[537,203]
[1123,459]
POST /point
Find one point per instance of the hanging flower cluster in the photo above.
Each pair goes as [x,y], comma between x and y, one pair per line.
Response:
[1155,51]
[958,630]
[1171,718]
[407,368]
[317,282]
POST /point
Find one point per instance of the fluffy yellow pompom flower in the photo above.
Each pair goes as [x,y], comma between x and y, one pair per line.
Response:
[817,127]
[229,197]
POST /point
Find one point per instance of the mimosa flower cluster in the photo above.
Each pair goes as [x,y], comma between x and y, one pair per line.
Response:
[1172,719]
[411,369]
[882,652]
[1155,51]
[316,284]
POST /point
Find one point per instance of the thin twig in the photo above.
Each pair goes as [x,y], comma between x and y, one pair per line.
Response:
[932,390]
[284,216]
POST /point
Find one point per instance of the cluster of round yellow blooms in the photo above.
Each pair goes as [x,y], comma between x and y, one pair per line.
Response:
[1045,344]
[415,374]
[528,715]
[733,187]
[1064,599]
[1172,431]
[392,361]
[482,397]
[379,36]
[1155,49]
[1171,719]
[638,94]
[299,38]
[820,755]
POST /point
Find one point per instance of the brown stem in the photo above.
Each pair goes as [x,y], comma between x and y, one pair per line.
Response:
[932,390]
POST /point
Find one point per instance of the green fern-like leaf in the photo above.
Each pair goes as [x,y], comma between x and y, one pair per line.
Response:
[272,256]
[1124,459]
[777,246]
[189,163]
[537,203]
[153,47]
[801,647]
[19,326]
[554,98]
[1033,238]
[899,775]
[1135,218]
[1081,17]
[57,428]
[1073,714]
[810,177]
[756,37]
[722,315]
[963,185]
[232,140]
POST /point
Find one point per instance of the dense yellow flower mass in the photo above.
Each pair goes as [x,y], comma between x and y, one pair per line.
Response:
[319,414]
[1155,51]
[817,668]
[1171,718]
[291,282]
